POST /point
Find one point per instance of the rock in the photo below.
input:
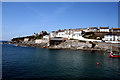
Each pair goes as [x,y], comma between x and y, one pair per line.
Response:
[80,48]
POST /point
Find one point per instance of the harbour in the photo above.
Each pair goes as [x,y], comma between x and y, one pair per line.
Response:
[57,40]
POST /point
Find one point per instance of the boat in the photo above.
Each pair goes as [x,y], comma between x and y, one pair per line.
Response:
[113,54]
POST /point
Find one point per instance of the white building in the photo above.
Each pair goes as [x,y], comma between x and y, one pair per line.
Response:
[93,29]
[37,41]
[86,30]
[67,32]
[71,33]
[53,34]
[104,29]
[112,37]
[63,34]
[77,33]
[60,34]
[115,30]
[26,39]
[46,37]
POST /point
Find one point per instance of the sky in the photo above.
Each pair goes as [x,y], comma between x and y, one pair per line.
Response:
[25,18]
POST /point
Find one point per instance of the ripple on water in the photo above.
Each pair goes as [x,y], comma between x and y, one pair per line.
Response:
[20,62]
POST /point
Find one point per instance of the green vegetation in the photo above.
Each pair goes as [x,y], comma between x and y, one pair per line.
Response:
[39,37]
[94,35]
[72,39]
[82,41]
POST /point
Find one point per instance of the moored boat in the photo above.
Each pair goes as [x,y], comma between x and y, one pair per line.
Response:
[115,55]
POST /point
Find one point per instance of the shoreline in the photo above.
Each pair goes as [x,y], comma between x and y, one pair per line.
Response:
[58,47]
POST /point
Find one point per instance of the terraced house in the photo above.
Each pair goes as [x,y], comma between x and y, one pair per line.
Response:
[93,29]
[104,29]
[112,37]
[115,30]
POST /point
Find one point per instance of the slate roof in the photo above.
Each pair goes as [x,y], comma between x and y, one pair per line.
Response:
[115,28]
[93,28]
[104,27]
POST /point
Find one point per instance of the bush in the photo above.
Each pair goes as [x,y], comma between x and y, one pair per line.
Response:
[81,41]
[38,37]
[72,39]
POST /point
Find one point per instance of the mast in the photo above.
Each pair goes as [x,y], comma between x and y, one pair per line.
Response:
[111,48]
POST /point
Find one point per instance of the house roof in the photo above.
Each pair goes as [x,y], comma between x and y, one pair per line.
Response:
[60,31]
[115,28]
[104,27]
[93,28]
[74,29]
[53,32]
[83,28]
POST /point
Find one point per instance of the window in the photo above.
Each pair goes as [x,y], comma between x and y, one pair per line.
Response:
[110,39]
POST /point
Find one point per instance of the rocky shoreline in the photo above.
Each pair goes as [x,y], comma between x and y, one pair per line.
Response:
[72,44]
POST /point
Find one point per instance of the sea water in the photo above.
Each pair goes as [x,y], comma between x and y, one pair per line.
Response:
[32,62]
